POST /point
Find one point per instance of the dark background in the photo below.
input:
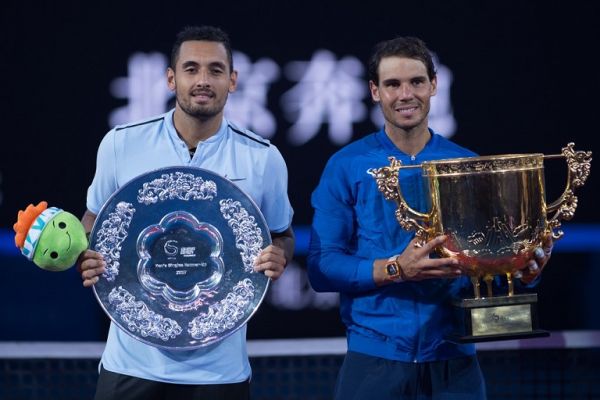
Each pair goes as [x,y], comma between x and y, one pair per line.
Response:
[524,80]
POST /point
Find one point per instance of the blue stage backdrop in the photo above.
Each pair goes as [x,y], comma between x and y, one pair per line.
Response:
[513,77]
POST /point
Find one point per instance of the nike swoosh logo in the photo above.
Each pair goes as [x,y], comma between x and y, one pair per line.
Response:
[234,179]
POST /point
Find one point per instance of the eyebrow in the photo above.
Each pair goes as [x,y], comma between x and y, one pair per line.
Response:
[195,64]
[394,80]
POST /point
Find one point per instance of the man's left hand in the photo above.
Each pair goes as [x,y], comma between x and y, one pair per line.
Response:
[541,255]
[271,261]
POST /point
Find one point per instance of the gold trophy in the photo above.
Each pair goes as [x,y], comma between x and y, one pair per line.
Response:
[493,210]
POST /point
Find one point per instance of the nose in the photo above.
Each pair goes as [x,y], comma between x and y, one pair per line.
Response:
[405,91]
[203,80]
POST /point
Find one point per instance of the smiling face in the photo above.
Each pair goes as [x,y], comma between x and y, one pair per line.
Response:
[404,92]
[202,79]
[60,244]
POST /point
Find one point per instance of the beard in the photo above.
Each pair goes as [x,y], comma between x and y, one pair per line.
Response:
[202,112]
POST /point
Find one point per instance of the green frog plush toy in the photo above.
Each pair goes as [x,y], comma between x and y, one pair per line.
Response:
[52,238]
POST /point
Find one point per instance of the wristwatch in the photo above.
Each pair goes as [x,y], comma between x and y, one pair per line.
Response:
[393,270]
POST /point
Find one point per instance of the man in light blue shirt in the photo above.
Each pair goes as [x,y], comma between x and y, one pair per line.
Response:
[194,133]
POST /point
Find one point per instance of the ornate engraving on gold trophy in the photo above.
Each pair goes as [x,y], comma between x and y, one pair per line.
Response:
[493,210]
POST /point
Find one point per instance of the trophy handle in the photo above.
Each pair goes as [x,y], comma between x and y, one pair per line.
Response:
[388,185]
[578,163]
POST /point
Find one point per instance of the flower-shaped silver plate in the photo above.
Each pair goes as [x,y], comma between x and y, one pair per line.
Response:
[180,244]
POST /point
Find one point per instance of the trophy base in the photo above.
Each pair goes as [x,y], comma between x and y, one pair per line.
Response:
[497,318]
[497,337]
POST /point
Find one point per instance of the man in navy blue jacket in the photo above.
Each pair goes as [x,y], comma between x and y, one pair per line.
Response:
[396,318]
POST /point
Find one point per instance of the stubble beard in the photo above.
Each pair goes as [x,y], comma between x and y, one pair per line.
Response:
[200,112]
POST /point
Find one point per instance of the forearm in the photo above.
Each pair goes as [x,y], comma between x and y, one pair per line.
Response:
[332,266]
[336,271]
[88,220]
[286,241]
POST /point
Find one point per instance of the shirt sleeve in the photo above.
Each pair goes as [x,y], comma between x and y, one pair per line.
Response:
[104,183]
[332,266]
[275,204]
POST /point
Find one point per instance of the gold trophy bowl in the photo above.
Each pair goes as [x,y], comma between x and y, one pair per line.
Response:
[493,210]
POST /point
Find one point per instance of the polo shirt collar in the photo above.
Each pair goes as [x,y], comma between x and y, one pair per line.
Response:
[387,143]
[217,137]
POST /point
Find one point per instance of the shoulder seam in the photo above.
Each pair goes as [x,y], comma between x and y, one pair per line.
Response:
[248,136]
[138,124]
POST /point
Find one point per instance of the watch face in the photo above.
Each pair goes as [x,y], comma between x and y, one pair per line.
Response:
[392,269]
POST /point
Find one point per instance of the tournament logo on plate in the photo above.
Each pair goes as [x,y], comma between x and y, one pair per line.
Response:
[180,244]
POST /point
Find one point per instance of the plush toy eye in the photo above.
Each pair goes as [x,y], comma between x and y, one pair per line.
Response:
[54,254]
[62,225]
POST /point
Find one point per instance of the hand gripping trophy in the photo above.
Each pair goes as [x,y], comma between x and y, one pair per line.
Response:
[493,210]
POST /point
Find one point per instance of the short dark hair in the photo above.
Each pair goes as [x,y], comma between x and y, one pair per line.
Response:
[205,32]
[407,46]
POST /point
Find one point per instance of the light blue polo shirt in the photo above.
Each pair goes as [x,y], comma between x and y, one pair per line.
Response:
[255,165]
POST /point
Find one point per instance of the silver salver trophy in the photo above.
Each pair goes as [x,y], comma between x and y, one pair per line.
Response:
[493,210]
[180,244]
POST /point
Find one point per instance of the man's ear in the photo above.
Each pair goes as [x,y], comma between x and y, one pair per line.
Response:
[171,79]
[374,91]
[233,81]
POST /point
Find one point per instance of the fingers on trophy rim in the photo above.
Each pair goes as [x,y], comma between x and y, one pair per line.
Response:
[432,244]
[533,267]
[539,252]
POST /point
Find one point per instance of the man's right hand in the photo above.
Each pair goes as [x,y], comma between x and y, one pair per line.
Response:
[417,265]
[91,265]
